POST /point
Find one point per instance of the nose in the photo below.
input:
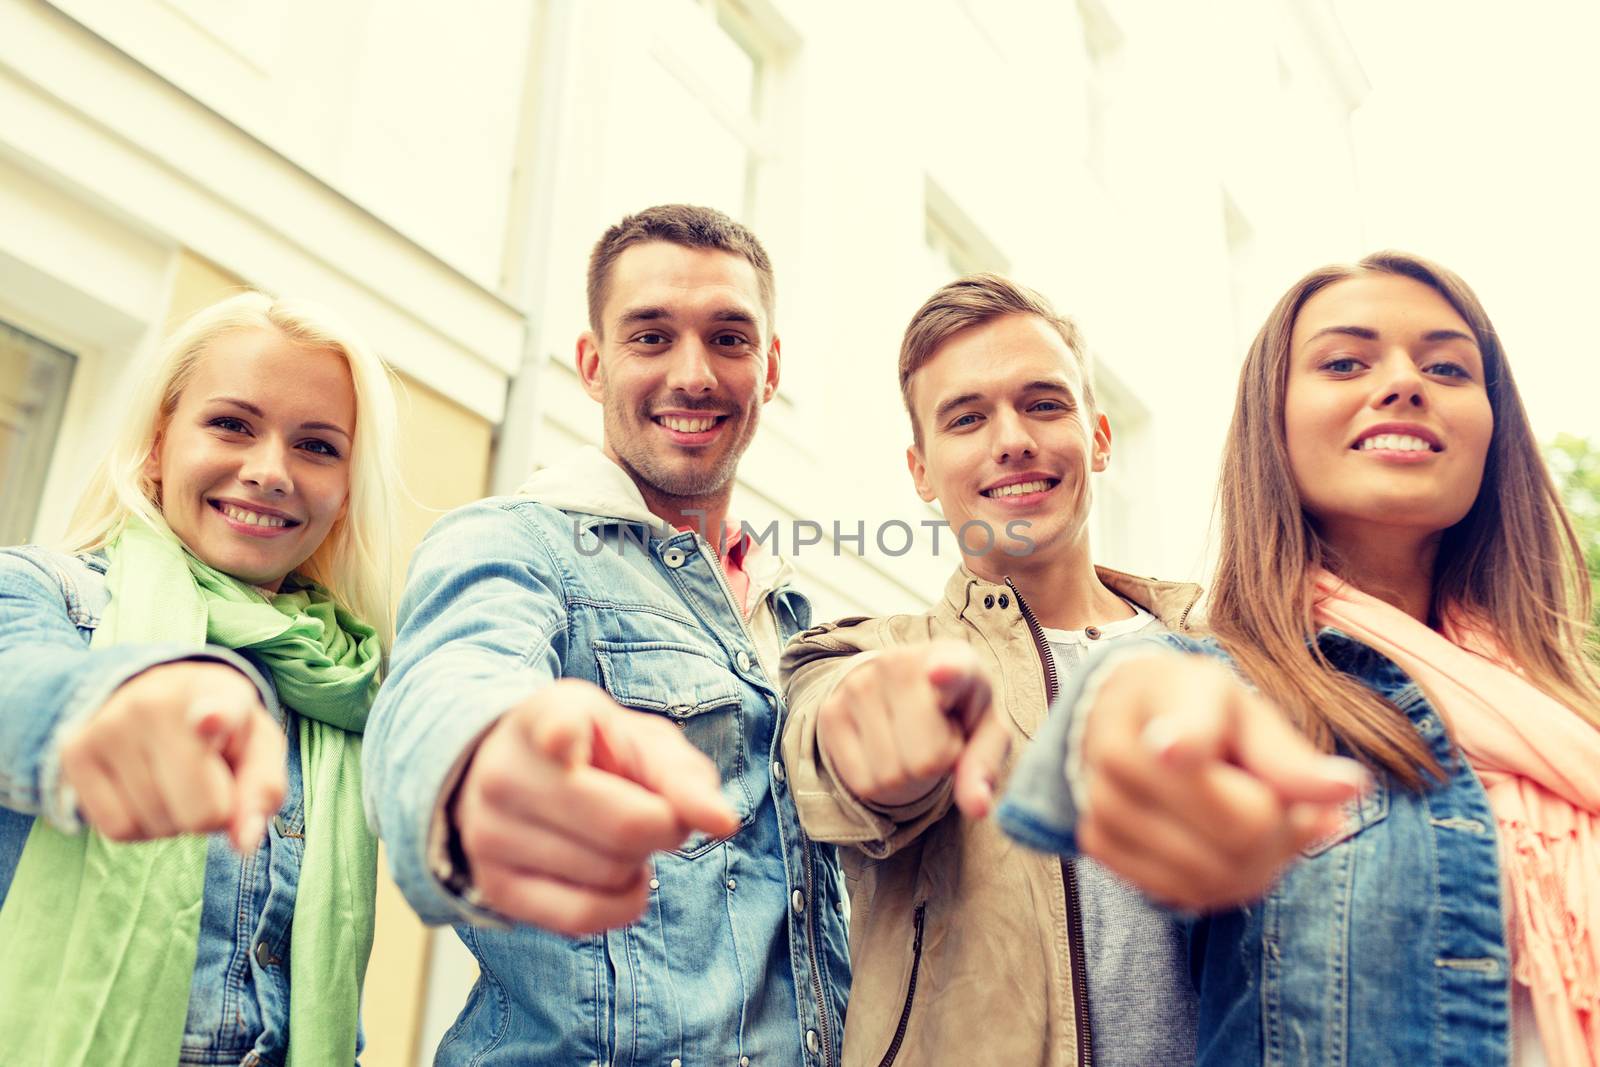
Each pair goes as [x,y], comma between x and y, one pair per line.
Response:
[691,370]
[1400,384]
[1012,440]
[266,468]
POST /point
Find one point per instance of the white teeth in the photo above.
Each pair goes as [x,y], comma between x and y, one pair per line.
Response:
[1395,442]
[682,425]
[251,518]
[1017,489]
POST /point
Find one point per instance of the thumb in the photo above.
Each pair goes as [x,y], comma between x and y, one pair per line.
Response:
[980,765]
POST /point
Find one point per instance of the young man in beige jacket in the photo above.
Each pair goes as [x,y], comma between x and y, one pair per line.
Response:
[966,948]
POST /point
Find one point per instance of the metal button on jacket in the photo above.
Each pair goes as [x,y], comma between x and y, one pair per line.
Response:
[673,557]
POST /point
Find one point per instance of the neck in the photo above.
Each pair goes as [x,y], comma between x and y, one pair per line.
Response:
[1395,567]
[1062,588]
[705,515]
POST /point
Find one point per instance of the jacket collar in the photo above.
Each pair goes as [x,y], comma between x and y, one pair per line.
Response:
[591,485]
[588,482]
[1171,602]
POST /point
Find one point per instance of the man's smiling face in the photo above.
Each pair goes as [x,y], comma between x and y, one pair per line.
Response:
[685,360]
[1005,436]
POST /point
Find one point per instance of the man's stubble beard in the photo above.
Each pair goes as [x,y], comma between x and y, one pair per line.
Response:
[698,481]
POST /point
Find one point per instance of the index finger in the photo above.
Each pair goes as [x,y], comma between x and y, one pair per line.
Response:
[980,764]
[658,757]
[255,751]
[1268,746]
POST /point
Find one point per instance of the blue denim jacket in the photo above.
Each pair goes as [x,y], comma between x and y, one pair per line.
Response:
[1384,946]
[50,605]
[741,955]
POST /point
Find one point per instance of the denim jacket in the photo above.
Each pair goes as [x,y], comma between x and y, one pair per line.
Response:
[50,605]
[1383,946]
[740,957]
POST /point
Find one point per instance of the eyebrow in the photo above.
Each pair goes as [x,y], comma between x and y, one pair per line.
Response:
[1038,385]
[658,313]
[258,413]
[1366,334]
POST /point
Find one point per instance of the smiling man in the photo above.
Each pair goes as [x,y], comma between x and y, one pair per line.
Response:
[575,756]
[966,948]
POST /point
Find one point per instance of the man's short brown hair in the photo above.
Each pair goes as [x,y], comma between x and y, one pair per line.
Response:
[972,301]
[680,224]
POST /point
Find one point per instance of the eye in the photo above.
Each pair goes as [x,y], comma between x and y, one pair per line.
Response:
[961,422]
[1341,365]
[229,424]
[729,340]
[1449,370]
[317,446]
[1049,406]
[651,338]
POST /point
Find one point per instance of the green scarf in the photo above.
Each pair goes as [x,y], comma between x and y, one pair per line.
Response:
[98,939]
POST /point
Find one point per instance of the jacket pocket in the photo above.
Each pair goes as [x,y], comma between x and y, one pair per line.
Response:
[699,695]
[1365,811]
[917,920]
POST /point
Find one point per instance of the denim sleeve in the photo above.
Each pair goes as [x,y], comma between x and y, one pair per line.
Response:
[482,625]
[1038,807]
[50,679]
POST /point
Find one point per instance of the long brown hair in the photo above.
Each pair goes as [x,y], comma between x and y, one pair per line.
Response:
[1514,561]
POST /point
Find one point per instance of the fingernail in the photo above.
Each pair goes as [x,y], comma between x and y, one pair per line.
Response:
[1340,769]
[1160,735]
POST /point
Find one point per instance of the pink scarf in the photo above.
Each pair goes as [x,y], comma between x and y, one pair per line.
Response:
[1540,764]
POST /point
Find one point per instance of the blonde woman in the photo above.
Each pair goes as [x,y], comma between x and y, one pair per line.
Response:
[1399,577]
[193,672]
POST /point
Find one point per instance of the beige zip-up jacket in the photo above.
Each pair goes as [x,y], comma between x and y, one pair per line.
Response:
[959,937]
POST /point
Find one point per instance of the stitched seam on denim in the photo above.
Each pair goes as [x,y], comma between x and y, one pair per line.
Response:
[738,959]
[671,989]
[566,579]
[595,949]
[501,999]
[1271,966]
[646,609]
[1337,1051]
[633,992]
[1426,801]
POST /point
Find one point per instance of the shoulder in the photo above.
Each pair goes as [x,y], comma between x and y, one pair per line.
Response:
[862,633]
[74,583]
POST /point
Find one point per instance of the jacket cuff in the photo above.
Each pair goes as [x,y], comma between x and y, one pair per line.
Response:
[447,862]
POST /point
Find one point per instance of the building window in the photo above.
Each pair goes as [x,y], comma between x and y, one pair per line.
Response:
[725,57]
[34,378]
[953,243]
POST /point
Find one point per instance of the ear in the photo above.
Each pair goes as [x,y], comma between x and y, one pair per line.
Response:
[919,473]
[152,462]
[774,358]
[590,371]
[1102,443]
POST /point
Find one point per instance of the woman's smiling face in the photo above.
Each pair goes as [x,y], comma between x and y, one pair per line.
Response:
[1386,415]
[253,466]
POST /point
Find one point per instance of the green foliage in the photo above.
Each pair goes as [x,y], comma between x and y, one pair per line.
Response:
[1576,465]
